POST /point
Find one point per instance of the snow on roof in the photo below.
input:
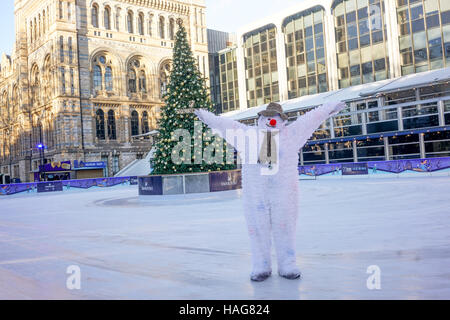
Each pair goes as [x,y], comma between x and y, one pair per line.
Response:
[350,93]
[413,80]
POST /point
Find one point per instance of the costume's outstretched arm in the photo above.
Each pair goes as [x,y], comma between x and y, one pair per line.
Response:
[220,124]
[303,128]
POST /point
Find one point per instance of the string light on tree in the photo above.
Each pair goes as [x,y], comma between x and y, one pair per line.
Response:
[186,91]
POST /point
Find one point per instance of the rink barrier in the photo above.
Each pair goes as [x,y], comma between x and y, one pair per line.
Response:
[55,186]
[231,180]
[425,165]
[190,183]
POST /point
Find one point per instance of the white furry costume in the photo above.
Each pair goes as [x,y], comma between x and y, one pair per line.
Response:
[271,200]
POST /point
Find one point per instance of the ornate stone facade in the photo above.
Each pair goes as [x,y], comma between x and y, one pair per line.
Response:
[86,76]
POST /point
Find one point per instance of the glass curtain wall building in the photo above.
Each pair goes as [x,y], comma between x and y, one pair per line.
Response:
[305,52]
[261,68]
[329,45]
[361,41]
[387,59]
[229,79]
[424,30]
[388,120]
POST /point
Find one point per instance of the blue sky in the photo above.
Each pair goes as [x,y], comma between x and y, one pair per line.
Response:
[230,15]
[223,15]
[7,34]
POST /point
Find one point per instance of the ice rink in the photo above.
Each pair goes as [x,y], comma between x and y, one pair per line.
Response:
[197,247]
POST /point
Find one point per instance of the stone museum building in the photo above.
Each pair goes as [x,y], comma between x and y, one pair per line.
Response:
[85,79]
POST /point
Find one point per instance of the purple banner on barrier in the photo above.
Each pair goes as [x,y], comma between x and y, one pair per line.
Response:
[418,165]
[7,189]
[319,169]
[393,166]
[83,184]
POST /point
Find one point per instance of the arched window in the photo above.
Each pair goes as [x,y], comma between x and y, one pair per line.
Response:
[171,29]
[47,80]
[130,17]
[97,78]
[107,18]
[44,22]
[35,29]
[141,24]
[150,25]
[102,78]
[134,123]
[15,100]
[132,81]
[137,81]
[108,79]
[69,11]
[142,82]
[63,80]
[72,84]
[164,77]
[61,48]
[118,19]
[144,125]
[100,124]
[94,15]
[60,7]
[35,85]
[111,125]
[162,25]
[31,31]
[70,50]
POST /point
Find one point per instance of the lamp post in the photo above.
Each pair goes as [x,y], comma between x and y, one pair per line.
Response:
[41,146]
[7,122]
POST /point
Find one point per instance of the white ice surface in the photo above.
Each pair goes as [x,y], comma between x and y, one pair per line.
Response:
[196,247]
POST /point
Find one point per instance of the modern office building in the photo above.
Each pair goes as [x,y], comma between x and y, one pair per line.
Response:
[217,41]
[392,119]
[229,84]
[85,79]
[330,45]
[388,59]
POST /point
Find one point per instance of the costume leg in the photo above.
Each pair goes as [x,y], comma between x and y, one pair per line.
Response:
[259,229]
[284,213]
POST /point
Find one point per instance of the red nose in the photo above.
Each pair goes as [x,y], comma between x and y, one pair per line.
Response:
[273,122]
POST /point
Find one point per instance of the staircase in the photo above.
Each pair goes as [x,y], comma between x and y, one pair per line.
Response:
[139,167]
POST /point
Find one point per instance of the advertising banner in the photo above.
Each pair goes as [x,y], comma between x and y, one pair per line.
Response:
[91,165]
[226,180]
[150,185]
[349,169]
[55,166]
[134,181]
[319,169]
[49,186]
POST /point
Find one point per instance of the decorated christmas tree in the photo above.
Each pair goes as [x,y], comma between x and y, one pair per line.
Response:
[181,135]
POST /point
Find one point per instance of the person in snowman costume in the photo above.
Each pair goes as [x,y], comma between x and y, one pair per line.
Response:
[270,184]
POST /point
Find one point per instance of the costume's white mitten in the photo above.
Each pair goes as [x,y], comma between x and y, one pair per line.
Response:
[334,107]
[201,114]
